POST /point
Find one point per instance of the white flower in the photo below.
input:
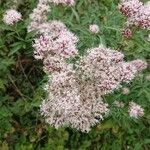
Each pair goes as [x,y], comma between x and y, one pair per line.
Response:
[94,28]
[75,90]
[139,64]
[125,91]
[55,43]
[55,64]
[11,17]
[38,16]
[135,110]
[52,28]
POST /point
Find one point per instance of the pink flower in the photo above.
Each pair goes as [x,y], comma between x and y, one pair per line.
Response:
[130,7]
[38,16]
[11,17]
[135,110]
[66,2]
[55,64]
[125,91]
[106,69]
[58,41]
[74,91]
[52,28]
[42,45]
[94,28]
[127,33]
[137,13]
[139,64]
[65,45]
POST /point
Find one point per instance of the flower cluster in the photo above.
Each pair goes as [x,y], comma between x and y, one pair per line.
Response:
[65,107]
[75,95]
[75,90]
[106,69]
[125,91]
[58,41]
[94,28]
[135,110]
[127,33]
[11,17]
[38,16]
[137,13]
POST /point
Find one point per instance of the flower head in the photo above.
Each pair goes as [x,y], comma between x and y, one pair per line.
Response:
[38,16]
[106,69]
[125,91]
[52,28]
[74,91]
[135,110]
[127,33]
[137,13]
[139,64]
[11,17]
[94,28]
[130,7]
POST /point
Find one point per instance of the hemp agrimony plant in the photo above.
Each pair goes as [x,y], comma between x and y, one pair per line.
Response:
[75,91]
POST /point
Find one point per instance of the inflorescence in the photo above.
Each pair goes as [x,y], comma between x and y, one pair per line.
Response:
[137,13]
[75,90]
[11,17]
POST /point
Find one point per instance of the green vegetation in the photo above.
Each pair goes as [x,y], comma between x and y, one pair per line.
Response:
[22,80]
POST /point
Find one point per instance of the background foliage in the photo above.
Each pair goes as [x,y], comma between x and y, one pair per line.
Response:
[22,80]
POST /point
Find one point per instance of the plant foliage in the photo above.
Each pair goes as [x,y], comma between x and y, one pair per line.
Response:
[22,79]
